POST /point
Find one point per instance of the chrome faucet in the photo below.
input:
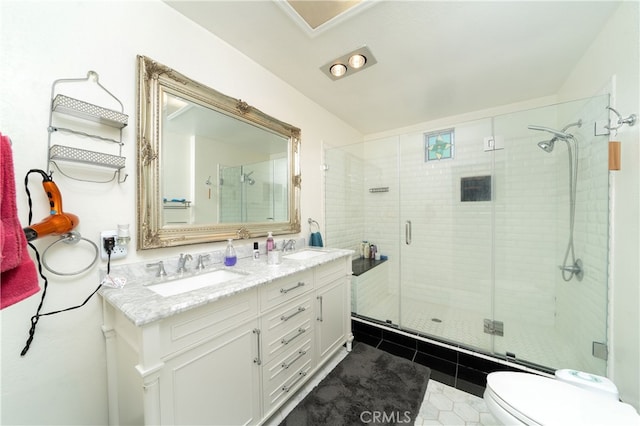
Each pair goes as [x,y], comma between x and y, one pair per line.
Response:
[289,245]
[184,258]
[201,259]
[161,272]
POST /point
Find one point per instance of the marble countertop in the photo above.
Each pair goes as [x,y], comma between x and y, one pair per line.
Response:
[142,306]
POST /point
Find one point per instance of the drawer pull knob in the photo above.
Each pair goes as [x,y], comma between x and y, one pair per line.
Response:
[287,290]
[301,353]
[286,318]
[300,333]
[300,376]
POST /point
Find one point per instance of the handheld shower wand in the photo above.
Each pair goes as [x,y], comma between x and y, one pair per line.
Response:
[575,267]
[58,222]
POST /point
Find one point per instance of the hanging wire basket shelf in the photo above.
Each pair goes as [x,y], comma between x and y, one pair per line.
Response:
[70,106]
[76,155]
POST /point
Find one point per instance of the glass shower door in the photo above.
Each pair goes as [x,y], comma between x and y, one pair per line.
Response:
[549,321]
[361,204]
[446,235]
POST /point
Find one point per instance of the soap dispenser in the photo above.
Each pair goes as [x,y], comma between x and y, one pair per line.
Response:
[230,257]
[271,245]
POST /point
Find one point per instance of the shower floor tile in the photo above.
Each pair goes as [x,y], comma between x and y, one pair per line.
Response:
[535,343]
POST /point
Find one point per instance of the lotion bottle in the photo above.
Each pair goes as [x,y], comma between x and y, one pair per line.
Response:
[271,245]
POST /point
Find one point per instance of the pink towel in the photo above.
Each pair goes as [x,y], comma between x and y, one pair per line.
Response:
[18,279]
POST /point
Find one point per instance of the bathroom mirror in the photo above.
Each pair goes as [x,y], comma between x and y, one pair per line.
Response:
[210,167]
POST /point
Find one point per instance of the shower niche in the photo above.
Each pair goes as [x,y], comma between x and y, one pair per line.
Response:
[476,188]
[489,233]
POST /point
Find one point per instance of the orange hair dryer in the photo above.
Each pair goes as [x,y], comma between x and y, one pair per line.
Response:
[58,222]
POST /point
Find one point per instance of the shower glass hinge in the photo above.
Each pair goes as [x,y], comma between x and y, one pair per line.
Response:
[493,143]
[600,350]
[493,327]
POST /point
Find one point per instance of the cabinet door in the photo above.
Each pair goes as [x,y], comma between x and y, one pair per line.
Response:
[331,318]
[214,383]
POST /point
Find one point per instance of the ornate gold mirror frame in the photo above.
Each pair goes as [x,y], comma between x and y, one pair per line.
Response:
[154,80]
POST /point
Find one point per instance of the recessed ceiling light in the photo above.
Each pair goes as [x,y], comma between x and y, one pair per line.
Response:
[338,70]
[357,61]
[349,64]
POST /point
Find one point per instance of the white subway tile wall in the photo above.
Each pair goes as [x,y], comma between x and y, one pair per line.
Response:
[498,259]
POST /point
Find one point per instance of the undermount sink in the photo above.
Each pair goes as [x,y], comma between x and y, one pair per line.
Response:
[304,254]
[195,282]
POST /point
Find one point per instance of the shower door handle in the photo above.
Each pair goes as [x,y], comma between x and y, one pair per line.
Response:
[407,232]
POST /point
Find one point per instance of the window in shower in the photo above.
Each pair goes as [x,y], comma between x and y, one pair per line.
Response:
[439,145]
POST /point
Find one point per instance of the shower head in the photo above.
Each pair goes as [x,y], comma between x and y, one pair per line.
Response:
[556,133]
[547,145]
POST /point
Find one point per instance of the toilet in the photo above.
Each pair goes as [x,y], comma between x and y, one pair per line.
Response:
[572,398]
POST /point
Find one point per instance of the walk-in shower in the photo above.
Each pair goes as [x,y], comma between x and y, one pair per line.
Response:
[575,268]
[489,227]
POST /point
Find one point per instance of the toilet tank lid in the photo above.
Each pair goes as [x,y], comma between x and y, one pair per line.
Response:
[552,402]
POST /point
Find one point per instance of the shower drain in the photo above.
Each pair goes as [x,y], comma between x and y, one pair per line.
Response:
[436,320]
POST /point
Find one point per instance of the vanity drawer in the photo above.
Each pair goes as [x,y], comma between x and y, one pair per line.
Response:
[329,272]
[282,376]
[285,289]
[205,322]
[286,326]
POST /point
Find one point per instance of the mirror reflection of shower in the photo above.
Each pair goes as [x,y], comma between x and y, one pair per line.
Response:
[245,178]
[574,268]
[251,193]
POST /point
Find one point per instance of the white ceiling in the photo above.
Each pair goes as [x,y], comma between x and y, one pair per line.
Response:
[434,58]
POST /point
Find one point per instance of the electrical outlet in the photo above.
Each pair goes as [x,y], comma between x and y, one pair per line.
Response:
[118,252]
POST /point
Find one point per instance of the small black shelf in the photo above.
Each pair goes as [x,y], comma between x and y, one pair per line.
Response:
[361,265]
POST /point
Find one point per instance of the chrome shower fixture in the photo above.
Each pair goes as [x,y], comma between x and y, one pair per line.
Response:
[570,267]
[245,178]
[557,133]
[547,146]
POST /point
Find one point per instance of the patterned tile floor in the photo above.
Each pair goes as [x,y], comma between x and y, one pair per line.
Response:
[442,404]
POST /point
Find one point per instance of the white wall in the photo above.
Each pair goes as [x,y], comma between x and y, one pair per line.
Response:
[612,64]
[613,60]
[62,379]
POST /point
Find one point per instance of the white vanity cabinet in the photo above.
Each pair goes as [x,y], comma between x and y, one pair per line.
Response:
[234,360]
[333,316]
[216,382]
[196,367]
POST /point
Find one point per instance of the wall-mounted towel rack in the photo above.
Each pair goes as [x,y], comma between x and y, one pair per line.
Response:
[313,222]
[175,204]
[630,120]
[67,106]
